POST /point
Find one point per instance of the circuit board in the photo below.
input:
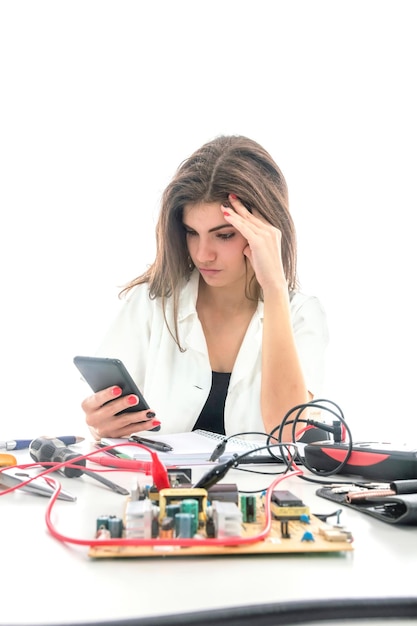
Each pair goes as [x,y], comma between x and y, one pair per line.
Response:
[305,534]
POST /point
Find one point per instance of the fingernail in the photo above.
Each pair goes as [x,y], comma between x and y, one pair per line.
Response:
[116,391]
[156,423]
[132,400]
[233,196]
[150,414]
[224,208]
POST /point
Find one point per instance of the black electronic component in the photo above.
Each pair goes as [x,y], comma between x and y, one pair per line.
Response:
[283,497]
[225,492]
[155,521]
[287,506]
[210,528]
[285,532]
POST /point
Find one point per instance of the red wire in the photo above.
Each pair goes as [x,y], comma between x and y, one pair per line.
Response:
[24,466]
[228,541]
[301,431]
[161,473]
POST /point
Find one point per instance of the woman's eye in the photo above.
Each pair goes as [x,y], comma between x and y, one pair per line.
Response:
[226,235]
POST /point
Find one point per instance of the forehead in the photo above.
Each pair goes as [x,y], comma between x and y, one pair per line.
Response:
[202,213]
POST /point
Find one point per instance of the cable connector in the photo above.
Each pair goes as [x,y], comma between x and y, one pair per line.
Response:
[218,450]
[338,432]
[335,429]
[214,475]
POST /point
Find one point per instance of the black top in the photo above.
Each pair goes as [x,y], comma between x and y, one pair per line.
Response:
[212,415]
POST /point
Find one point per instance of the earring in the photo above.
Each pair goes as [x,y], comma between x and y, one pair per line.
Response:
[190,263]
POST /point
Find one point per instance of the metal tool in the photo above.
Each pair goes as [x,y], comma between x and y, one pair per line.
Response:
[38,486]
[44,450]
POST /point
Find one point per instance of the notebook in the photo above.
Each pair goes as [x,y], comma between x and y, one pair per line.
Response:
[196,447]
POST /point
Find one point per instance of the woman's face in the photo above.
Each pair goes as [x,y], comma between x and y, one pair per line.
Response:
[215,247]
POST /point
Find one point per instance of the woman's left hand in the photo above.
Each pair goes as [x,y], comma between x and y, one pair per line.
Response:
[264,243]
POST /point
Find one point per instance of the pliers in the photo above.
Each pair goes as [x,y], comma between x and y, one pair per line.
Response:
[12,476]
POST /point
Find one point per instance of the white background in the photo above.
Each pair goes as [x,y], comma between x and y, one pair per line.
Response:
[99,103]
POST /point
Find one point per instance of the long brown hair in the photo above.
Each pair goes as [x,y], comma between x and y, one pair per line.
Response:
[227,164]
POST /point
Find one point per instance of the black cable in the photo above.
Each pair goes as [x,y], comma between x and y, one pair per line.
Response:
[276,435]
[317,404]
[322,611]
[221,447]
[284,448]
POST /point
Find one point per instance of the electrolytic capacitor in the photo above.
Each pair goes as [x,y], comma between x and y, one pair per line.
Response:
[115,526]
[102,522]
[172,509]
[190,505]
[184,525]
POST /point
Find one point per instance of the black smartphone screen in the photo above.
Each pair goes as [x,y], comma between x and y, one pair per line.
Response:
[101,373]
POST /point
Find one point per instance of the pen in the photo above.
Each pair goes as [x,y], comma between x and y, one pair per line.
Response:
[155,445]
[20,444]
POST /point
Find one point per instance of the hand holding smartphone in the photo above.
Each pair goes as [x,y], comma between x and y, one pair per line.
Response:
[101,373]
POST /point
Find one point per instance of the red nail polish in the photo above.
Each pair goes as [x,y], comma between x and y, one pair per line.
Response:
[226,213]
[116,391]
[132,400]
[156,423]
[233,196]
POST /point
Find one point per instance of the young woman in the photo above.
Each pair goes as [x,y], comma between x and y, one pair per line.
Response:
[215,332]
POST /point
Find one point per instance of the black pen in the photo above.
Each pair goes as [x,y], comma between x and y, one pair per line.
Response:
[155,445]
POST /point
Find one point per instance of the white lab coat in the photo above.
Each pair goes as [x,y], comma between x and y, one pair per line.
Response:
[176,384]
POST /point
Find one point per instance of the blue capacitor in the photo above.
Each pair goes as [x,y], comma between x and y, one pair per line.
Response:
[184,525]
[115,526]
[172,509]
[190,505]
[102,522]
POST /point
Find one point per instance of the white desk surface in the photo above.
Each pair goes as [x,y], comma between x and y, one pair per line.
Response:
[44,581]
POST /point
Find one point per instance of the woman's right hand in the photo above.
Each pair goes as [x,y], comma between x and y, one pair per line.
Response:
[101,414]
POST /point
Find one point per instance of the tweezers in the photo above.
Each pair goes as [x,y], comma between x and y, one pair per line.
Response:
[12,477]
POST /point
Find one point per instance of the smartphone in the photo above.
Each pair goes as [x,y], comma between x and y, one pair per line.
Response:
[101,373]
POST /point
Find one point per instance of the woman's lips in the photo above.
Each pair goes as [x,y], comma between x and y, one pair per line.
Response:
[208,272]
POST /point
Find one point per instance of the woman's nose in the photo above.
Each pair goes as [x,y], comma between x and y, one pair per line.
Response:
[205,252]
